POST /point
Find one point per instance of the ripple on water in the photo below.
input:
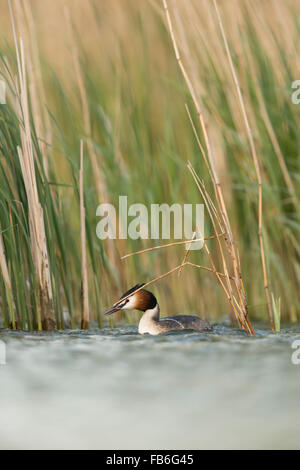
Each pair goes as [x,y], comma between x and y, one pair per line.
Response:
[114,388]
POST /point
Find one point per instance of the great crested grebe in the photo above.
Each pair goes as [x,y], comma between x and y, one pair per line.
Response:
[150,322]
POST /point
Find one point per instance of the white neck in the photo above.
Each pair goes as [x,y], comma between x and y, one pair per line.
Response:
[150,317]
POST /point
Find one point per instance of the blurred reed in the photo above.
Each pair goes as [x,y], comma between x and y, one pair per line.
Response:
[114,83]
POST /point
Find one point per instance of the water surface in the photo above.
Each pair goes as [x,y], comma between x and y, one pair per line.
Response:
[116,389]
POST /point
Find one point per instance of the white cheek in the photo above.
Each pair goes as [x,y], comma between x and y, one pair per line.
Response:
[130,304]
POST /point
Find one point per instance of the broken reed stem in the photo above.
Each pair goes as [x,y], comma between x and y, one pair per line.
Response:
[170,244]
[206,268]
[241,317]
[187,252]
[255,161]
[45,312]
[85,314]
[231,249]
[155,280]
[213,214]
[162,276]
[211,204]
[229,293]
[216,181]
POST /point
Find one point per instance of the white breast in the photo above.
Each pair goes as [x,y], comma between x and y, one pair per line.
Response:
[149,322]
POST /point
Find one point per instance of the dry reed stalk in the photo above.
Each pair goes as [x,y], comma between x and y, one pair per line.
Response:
[162,276]
[198,141]
[85,316]
[188,252]
[41,118]
[255,161]
[168,245]
[239,308]
[101,189]
[206,268]
[98,178]
[212,211]
[46,317]
[223,215]
[215,213]
[3,263]
[281,161]
[6,278]
[211,167]
[46,128]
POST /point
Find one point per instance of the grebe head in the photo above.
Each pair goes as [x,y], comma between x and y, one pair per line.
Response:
[141,300]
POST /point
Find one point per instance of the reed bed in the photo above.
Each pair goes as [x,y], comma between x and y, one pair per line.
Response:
[173,102]
[85,317]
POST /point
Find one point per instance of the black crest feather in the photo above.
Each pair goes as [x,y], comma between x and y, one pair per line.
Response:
[132,290]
